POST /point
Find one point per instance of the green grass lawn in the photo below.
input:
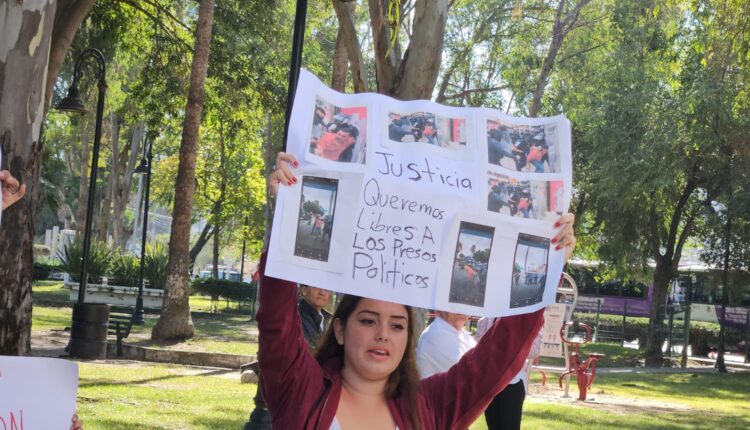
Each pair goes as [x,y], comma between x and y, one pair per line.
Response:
[225,332]
[614,355]
[645,401]
[127,395]
[152,396]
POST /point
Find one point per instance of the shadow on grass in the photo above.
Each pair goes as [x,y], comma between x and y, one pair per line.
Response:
[103,382]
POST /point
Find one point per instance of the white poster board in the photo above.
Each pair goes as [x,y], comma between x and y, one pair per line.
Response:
[37,393]
[422,204]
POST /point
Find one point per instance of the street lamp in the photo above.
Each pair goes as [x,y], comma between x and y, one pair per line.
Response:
[88,337]
[143,168]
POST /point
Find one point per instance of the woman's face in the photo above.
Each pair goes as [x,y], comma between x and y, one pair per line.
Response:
[374,338]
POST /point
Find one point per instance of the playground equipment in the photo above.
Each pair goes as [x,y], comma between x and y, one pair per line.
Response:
[585,372]
[555,317]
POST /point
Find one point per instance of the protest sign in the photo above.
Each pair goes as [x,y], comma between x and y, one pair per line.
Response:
[422,204]
[37,393]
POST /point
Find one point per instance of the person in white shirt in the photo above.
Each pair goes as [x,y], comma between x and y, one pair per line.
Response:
[443,343]
[505,411]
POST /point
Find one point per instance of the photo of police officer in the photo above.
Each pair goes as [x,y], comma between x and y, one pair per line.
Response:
[523,148]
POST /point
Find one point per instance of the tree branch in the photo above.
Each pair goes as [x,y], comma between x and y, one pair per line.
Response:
[473,91]
[687,191]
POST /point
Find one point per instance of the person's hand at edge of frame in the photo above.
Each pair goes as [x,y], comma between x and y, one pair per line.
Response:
[566,237]
[282,174]
[11,190]
[76,423]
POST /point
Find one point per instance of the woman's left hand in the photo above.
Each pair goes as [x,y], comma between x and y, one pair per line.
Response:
[75,423]
[566,237]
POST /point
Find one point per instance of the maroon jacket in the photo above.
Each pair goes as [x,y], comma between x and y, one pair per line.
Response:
[302,394]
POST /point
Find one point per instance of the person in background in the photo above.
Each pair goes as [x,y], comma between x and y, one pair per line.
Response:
[443,343]
[12,192]
[506,409]
[313,317]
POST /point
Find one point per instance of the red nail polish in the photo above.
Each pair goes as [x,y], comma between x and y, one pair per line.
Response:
[558,247]
[557,224]
[294,179]
[289,183]
[296,164]
[554,240]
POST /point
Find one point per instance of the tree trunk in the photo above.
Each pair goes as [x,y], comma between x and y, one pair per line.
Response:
[418,71]
[105,207]
[121,195]
[663,275]
[215,253]
[340,64]
[175,321]
[83,186]
[386,61]
[348,32]
[25,37]
[114,181]
[206,234]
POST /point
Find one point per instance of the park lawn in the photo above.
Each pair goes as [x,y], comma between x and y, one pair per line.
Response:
[725,394]
[50,318]
[131,395]
[648,402]
[229,333]
[614,355]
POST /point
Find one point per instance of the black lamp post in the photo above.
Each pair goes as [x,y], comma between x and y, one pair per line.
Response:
[143,168]
[87,339]
[260,418]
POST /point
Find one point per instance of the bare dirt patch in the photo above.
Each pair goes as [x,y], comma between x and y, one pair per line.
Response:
[600,400]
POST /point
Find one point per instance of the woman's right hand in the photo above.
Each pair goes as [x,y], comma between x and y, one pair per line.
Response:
[282,174]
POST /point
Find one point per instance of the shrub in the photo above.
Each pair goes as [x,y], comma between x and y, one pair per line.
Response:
[99,261]
[155,264]
[42,270]
[125,269]
[222,288]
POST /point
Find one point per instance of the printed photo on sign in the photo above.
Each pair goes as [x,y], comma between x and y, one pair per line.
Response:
[523,148]
[470,261]
[316,217]
[426,127]
[529,270]
[338,133]
[509,196]
[524,199]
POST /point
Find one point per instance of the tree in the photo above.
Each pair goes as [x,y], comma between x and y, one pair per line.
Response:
[175,321]
[26,69]
[649,156]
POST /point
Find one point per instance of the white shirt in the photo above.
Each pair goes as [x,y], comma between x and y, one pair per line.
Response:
[484,325]
[441,346]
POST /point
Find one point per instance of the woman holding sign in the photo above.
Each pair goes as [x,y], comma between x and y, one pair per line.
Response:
[364,373]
